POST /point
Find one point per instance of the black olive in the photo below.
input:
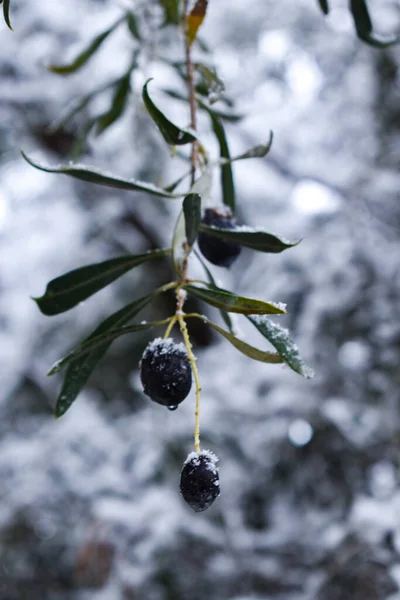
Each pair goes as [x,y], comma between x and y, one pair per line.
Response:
[218,251]
[165,372]
[200,480]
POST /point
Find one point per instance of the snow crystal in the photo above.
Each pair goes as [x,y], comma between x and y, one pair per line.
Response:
[194,457]
[159,347]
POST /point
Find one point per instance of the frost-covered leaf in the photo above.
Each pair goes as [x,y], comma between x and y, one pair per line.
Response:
[232,303]
[6,12]
[256,239]
[66,291]
[257,152]
[93,175]
[85,55]
[195,18]
[363,24]
[118,104]
[227,182]
[324,6]
[279,338]
[173,135]
[250,351]
[192,214]
[213,284]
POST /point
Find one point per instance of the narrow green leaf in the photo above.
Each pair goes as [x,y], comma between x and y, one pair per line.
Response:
[279,338]
[232,303]
[172,11]
[179,244]
[66,291]
[225,116]
[76,106]
[363,24]
[6,13]
[173,135]
[225,316]
[118,104]
[324,6]
[92,345]
[174,184]
[244,348]
[248,237]
[220,114]
[257,152]
[93,175]
[227,183]
[79,370]
[211,86]
[133,25]
[84,56]
[192,214]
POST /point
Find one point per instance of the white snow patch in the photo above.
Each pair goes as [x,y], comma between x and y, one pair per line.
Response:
[159,347]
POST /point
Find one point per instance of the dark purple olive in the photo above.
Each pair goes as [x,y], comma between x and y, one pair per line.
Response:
[165,372]
[218,251]
[200,480]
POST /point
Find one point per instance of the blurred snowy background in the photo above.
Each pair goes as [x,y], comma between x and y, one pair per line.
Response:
[310,503]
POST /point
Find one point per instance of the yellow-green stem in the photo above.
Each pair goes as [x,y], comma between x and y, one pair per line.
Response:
[192,361]
[170,326]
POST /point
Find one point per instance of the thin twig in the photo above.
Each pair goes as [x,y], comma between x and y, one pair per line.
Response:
[191,90]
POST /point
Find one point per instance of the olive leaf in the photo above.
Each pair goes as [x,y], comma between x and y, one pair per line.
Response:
[174,184]
[192,214]
[324,6]
[80,369]
[68,290]
[222,114]
[118,104]
[233,303]
[227,182]
[84,56]
[256,239]
[133,25]
[77,105]
[212,284]
[195,18]
[259,151]
[279,338]
[173,135]
[179,244]
[91,345]
[211,85]
[172,11]
[94,175]
[6,13]
[363,24]
[243,347]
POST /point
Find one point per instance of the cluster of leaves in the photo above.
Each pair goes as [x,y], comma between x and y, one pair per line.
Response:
[363,24]
[68,290]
